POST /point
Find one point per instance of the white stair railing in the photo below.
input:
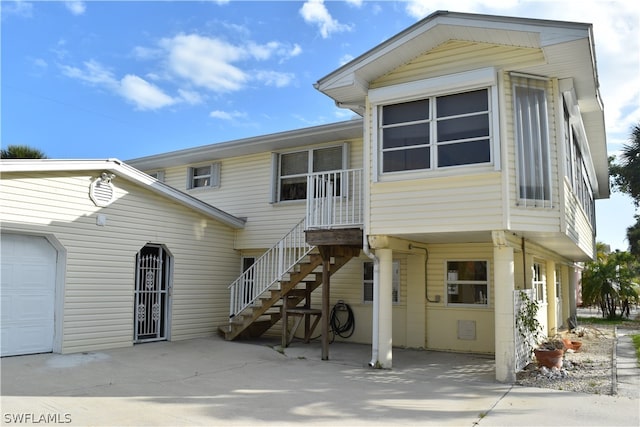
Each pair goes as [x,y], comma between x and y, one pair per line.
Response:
[269,268]
[335,199]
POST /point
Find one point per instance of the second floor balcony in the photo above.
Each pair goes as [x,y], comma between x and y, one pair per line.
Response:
[335,199]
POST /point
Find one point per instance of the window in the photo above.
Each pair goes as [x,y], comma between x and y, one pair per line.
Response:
[467,282]
[204,176]
[159,175]
[576,169]
[539,281]
[436,132]
[368,282]
[532,142]
[293,169]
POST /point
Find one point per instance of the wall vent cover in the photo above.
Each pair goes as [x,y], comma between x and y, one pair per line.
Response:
[101,190]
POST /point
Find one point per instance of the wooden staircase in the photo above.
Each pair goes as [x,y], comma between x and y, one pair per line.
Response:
[296,287]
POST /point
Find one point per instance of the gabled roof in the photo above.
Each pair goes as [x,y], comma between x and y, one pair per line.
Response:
[567,48]
[121,170]
[346,130]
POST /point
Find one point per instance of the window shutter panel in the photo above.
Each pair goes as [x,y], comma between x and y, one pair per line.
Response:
[214,181]
[274,177]
[189,178]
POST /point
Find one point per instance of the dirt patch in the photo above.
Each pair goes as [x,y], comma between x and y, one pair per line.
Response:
[588,370]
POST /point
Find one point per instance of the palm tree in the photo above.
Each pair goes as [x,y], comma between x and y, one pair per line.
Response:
[21,152]
[610,281]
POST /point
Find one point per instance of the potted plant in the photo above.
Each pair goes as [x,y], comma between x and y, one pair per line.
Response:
[550,353]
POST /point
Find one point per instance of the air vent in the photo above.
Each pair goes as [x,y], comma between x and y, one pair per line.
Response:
[101,190]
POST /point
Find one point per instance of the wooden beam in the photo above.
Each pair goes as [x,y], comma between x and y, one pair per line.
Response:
[338,236]
[326,265]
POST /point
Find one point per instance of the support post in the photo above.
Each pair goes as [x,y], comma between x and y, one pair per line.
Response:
[385,318]
[504,316]
[552,302]
[326,275]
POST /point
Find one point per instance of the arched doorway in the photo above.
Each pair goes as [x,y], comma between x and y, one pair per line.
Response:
[152,294]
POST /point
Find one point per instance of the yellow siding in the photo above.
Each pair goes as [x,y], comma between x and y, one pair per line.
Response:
[578,225]
[245,191]
[442,321]
[100,261]
[456,56]
[459,203]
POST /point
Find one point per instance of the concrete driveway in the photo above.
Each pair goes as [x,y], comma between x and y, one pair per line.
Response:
[214,382]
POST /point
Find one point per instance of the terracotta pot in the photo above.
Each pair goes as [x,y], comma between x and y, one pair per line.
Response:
[549,358]
[573,345]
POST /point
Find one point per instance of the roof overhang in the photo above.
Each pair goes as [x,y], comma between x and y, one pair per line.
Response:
[347,130]
[567,47]
[121,170]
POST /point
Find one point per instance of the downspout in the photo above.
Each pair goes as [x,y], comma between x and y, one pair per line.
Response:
[376,302]
[366,155]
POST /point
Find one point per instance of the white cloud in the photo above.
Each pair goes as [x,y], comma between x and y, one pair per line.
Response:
[190,97]
[76,7]
[274,78]
[227,115]
[214,64]
[17,8]
[345,58]
[93,73]
[205,62]
[314,12]
[144,95]
[355,3]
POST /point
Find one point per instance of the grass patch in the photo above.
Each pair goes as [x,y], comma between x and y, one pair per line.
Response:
[620,322]
[635,339]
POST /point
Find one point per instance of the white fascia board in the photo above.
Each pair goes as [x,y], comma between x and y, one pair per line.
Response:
[345,130]
[412,90]
[125,171]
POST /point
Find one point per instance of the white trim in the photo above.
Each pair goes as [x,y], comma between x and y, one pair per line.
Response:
[458,82]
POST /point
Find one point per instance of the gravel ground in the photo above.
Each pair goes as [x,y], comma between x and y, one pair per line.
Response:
[589,370]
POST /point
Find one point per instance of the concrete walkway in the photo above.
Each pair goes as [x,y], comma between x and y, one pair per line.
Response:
[213,382]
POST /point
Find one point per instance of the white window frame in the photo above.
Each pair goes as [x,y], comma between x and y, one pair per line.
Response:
[539,281]
[452,284]
[485,78]
[159,175]
[433,122]
[213,175]
[395,298]
[277,166]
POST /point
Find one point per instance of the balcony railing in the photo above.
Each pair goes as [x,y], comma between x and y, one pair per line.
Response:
[335,199]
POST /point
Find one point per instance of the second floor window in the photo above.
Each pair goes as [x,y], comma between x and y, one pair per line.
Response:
[294,167]
[204,176]
[436,132]
[532,143]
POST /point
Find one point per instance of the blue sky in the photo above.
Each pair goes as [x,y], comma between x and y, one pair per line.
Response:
[90,79]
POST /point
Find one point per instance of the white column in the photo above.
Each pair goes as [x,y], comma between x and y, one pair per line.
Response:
[504,319]
[386,304]
[573,286]
[552,310]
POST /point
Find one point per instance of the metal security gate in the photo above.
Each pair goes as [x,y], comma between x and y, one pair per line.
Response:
[152,294]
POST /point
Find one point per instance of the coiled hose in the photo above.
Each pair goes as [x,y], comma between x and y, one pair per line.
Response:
[340,326]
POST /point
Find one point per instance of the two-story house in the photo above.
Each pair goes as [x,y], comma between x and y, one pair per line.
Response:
[471,174]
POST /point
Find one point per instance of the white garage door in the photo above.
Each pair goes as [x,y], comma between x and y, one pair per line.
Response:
[27,285]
